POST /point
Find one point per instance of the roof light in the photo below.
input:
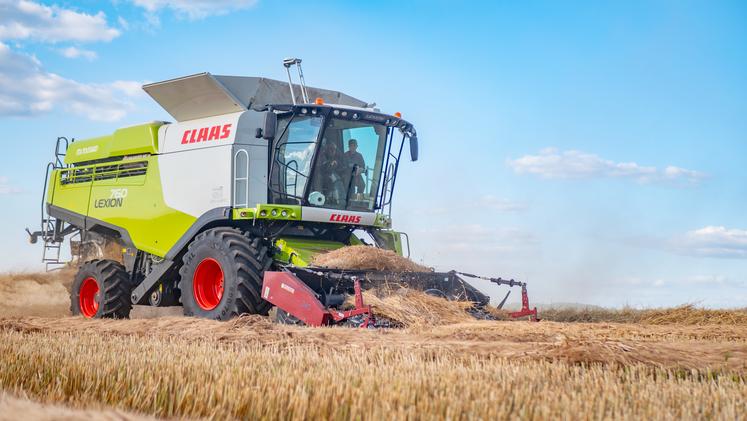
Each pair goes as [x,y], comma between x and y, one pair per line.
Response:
[319,101]
[398,114]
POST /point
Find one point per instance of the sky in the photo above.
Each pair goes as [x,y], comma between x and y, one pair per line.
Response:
[596,150]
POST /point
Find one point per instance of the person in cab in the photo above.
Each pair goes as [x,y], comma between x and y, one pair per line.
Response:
[355,167]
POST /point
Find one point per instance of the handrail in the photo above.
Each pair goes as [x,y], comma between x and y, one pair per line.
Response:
[59,163]
[50,167]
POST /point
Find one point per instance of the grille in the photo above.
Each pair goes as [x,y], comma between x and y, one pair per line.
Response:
[103,172]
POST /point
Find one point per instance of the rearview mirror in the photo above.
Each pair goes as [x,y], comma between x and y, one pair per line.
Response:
[271,122]
[414,148]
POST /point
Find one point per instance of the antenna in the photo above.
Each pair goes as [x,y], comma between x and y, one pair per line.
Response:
[287,63]
[303,83]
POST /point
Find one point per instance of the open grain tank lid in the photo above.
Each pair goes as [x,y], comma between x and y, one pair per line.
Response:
[205,95]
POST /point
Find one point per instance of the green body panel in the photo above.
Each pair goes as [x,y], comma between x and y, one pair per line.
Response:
[134,203]
[71,197]
[392,240]
[292,213]
[355,241]
[300,251]
[383,221]
[271,212]
[135,140]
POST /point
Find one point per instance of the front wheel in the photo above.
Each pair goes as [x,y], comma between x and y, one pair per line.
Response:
[222,275]
[101,289]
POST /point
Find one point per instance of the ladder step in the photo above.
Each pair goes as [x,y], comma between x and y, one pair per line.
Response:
[50,266]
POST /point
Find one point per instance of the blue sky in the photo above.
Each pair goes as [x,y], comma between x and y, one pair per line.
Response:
[597,150]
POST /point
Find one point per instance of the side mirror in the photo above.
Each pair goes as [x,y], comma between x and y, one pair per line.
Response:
[269,126]
[414,148]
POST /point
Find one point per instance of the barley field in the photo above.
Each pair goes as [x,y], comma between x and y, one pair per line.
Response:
[668,364]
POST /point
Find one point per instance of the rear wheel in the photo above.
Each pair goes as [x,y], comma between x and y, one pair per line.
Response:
[222,275]
[101,289]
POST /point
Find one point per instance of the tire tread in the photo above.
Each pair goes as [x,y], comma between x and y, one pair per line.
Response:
[250,260]
[115,284]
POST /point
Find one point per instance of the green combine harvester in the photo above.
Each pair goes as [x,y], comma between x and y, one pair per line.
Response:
[222,211]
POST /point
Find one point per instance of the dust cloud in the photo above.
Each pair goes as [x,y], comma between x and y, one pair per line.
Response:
[35,294]
[48,295]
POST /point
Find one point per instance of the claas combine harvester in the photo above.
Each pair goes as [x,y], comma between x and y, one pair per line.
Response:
[222,211]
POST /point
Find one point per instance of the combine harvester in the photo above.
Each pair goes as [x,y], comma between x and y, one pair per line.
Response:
[223,211]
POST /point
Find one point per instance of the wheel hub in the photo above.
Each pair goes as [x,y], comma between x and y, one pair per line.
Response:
[155,298]
[88,297]
[207,284]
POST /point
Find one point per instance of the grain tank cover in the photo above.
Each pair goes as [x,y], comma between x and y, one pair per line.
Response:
[191,97]
[205,95]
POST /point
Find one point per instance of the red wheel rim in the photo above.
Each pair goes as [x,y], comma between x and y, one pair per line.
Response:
[207,284]
[88,297]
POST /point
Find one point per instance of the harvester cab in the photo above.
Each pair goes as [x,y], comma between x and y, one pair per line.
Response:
[223,210]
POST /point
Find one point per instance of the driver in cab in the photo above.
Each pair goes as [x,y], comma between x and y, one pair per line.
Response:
[331,167]
[355,166]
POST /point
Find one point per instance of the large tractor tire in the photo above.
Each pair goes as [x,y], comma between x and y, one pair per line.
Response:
[101,289]
[221,275]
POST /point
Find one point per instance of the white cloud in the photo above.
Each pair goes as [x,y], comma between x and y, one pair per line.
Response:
[6,188]
[27,20]
[129,87]
[501,205]
[73,52]
[713,241]
[572,164]
[714,280]
[123,23]
[196,9]
[27,89]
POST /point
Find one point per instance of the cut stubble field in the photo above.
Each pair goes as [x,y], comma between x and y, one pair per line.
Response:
[690,364]
[250,368]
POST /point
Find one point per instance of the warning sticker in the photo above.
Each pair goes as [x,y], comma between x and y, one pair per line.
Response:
[287,288]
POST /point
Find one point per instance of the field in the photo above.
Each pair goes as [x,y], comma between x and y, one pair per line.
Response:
[659,364]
